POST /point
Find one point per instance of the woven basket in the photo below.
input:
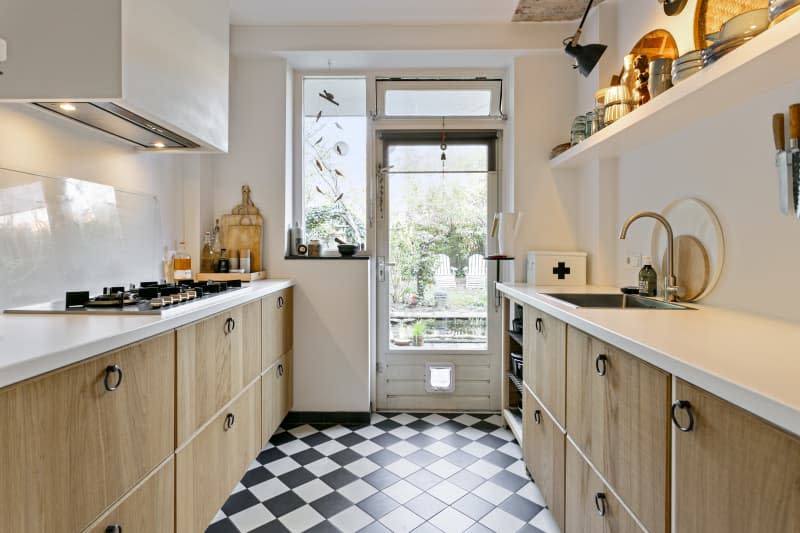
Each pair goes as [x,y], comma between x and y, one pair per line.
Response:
[712,14]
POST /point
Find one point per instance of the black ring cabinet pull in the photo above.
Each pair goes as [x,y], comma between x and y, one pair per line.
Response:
[683,405]
[233,324]
[115,528]
[280,370]
[600,503]
[601,364]
[110,371]
[539,325]
[229,421]
[281,302]
[230,325]
[537,416]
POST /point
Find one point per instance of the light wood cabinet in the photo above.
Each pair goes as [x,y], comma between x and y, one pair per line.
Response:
[217,358]
[733,471]
[210,465]
[277,395]
[590,506]
[543,444]
[545,353]
[69,447]
[148,508]
[618,415]
[276,329]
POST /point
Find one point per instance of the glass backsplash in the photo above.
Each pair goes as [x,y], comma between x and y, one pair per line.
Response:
[59,234]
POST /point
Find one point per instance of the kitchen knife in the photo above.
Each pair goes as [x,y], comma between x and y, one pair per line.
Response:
[781,161]
[794,148]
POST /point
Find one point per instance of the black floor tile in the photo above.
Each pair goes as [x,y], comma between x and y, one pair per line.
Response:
[424,479]
[351,439]
[272,527]
[425,506]
[422,458]
[499,459]
[381,478]
[284,503]
[461,459]
[520,507]
[331,504]
[338,478]
[509,481]
[473,506]
[307,456]
[296,477]
[316,439]
[255,476]
[239,502]
[378,505]
[345,457]
[223,526]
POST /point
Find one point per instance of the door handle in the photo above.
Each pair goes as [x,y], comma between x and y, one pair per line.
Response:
[382,266]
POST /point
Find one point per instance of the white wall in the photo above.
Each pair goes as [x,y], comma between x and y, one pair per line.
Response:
[726,160]
[331,308]
[40,142]
[543,96]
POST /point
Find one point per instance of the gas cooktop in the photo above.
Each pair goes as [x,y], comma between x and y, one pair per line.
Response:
[149,298]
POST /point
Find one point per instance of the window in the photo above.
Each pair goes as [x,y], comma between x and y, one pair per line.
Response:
[439,98]
[334,164]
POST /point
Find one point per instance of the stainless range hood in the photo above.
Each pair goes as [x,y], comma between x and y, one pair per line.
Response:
[118,121]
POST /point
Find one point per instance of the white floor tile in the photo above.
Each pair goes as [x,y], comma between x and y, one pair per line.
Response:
[283,465]
[447,492]
[357,490]
[401,520]
[402,468]
[512,449]
[313,490]
[301,518]
[320,467]
[503,433]
[402,491]
[404,419]
[436,432]
[492,493]
[518,468]
[443,468]
[499,520]
[362,467]
[268,489]
[477,449]
[369,432]
[330,447]
[403,432]
[402,448]
[471,433]
[467,420]
[497,420]
[366,448]
[251,518]
[435,419]
[531,492]
[485,469]
[440,448]
[293,447]
[303,431]
[452,521]
[351,519]
[335,432]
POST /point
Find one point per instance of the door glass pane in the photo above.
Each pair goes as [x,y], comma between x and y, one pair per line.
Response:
[437,239]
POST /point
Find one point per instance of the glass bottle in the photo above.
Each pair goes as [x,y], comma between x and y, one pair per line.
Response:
[207,256]
[648,279]
[216,239]
[224,264]
[182,263]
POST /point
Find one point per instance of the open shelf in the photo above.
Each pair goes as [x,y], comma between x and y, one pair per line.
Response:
[756,67]
[515,381]
[513,418]
[516,336]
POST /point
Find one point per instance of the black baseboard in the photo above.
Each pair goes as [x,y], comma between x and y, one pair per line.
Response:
[343,418]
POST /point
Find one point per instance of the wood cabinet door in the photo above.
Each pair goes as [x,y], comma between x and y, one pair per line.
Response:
[545,351]
[618,414]
[69,448]
[217,358]
[733,471]
[269,382]
[149,508]
[590,506]
[277,309]
[210,465]
[544,454]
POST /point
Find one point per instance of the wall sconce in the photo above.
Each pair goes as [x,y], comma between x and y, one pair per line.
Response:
[586,57]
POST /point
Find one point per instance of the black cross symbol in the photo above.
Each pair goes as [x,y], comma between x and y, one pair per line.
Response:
[562,270]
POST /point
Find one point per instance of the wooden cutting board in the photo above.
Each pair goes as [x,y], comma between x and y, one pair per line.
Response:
[242,230]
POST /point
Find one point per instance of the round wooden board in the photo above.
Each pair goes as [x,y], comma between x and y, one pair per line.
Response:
[690,217]
[710,15]
[691,267]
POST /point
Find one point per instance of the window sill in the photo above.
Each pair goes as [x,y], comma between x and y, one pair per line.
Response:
[327,257]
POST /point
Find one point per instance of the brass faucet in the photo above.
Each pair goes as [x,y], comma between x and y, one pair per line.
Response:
[670,282]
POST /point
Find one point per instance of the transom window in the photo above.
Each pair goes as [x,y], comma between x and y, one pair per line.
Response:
[439,98]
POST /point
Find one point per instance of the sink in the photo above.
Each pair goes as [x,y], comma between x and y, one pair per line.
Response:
[615,301]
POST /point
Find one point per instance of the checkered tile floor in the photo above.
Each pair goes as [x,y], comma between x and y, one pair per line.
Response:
[404,472]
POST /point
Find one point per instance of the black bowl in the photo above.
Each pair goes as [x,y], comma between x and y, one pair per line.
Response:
[348,250]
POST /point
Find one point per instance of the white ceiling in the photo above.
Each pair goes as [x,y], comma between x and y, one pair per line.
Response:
[356,12]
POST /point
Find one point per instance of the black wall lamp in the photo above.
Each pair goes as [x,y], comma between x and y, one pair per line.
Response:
[586,57]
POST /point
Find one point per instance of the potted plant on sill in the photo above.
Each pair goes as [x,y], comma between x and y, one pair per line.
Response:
[418,333]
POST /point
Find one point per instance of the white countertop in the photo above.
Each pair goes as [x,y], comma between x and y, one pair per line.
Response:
[748,360]
[34,344]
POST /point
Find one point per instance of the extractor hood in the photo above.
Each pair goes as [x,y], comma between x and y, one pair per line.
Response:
[152,72]
[118,121]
